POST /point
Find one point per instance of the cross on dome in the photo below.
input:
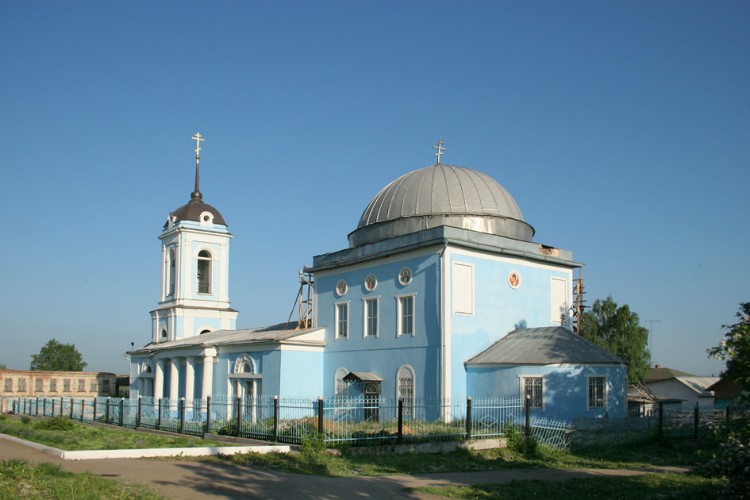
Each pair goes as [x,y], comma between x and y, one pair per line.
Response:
[198,139]
[440,149]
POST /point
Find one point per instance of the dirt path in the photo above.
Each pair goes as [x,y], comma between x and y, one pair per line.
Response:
[188,479]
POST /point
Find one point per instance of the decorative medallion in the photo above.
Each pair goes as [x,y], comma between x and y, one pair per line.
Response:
[371,282]
[404,277]
[514,279]
[341,288]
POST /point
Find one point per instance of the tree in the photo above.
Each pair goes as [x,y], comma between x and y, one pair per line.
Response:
[735,348]
[56,356]
[618,330]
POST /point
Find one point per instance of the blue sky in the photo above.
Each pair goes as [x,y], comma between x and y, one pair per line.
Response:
[622,129]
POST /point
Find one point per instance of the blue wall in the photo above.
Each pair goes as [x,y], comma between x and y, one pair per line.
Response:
[565,388]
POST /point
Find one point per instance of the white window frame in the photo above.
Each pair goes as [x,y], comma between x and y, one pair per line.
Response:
[208,263]
[365,326]
[400,312]
[409,401]
[337,327]
[523,379]
[605,392]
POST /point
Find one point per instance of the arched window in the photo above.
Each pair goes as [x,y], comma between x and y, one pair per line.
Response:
[171,275]
[405,389]
[164,334]
[204,272]
[340,388]
[244,364]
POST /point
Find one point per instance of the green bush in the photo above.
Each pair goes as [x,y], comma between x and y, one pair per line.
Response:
[518,442]
[3,417]
[25,419]
[313,447]
[732,460]
[54,424]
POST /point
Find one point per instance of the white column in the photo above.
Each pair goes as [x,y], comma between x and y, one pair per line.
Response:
[208,375]
[159,380]
[174,383]
[189,380]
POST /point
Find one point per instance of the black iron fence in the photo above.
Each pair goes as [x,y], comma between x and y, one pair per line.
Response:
[287,420]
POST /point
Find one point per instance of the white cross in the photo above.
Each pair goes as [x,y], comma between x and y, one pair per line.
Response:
[197,138]
[440,149]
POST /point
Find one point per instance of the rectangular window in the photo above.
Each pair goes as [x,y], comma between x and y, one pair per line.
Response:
[8,385]
[53,385]
[21,385]
[105,386]
[406,315]
[81,385]
[463,288]
[66,385]
[93,387]
[38,385]
[597,392]
[342,320]
[371,317]
[534,387]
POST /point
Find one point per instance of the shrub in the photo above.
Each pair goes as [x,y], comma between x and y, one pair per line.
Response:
[3,417]
[54,424]
[313,446]
[25,419]
[519,443]
[732,460]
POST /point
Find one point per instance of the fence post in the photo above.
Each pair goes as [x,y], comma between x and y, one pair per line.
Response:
[36,411]
[122,411]
[138,415]
[208,413]
[158,418]
[661,417]
[82,409]
[62,405]
[44,407]
[320,415]
[94,416]
[400,438]
[71,408]
[182,414]
[276,418]
[239,415]
[527,431]
[468,417]
[106,416]
[696,420]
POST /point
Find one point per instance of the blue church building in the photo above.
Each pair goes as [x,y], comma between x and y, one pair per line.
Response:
[441,294]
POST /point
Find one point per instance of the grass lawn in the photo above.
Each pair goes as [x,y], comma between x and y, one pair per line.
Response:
[648,453]
[661,486]
[19,479]
[66,434]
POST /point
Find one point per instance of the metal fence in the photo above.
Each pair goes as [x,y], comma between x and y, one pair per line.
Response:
[339,420]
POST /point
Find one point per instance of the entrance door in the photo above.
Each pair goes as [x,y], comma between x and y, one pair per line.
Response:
[372,402]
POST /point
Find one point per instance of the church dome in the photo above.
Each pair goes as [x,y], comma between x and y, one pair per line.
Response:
[441,195]
[194,210]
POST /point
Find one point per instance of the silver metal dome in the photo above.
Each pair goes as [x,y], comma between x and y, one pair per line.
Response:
[441,195]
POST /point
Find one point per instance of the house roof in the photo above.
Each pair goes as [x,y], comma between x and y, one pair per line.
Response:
[699,384]
[543,346]
[276,334]
[663,373]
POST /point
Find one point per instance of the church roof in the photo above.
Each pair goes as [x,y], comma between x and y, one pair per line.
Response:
[193,209]
[441,195]
[282,333]
[543,346]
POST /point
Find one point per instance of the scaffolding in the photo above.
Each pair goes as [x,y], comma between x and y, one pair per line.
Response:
[579,302]
[304,301]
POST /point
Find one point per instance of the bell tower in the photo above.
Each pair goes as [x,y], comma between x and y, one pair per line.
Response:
[194,295]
